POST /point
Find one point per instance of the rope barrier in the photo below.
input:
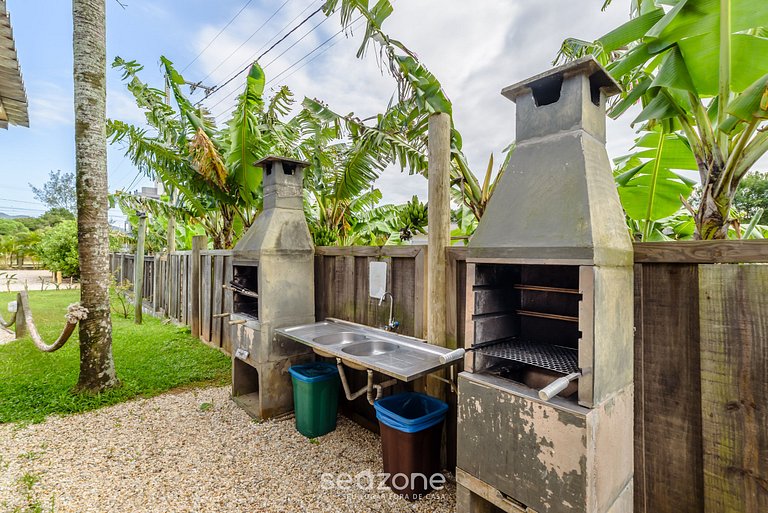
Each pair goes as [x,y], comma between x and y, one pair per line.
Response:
[25,323]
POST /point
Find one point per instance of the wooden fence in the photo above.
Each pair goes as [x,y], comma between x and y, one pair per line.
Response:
[701,377]
[701,352]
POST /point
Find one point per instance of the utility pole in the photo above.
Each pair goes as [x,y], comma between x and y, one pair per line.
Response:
[138,268]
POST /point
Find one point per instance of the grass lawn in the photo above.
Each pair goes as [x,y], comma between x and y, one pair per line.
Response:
[149,359]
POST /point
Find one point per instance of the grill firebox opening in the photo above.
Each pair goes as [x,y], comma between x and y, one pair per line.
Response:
[245,383]
[245,284]
[526,322]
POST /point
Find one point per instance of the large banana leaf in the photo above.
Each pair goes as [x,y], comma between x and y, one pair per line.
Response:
[245,138]
[649,181]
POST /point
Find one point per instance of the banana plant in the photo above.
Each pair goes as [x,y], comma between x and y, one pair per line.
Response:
[399,135]
[210,168]
[698,70]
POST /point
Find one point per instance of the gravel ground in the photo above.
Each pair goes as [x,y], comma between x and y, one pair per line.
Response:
[6,336]
[193,451]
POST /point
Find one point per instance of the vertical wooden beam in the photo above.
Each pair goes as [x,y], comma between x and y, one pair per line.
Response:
[138,268]
[199,243]
[439,227]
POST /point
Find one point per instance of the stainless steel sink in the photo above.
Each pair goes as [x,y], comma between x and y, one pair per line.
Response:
[344,337]
[363,347]
[370,348]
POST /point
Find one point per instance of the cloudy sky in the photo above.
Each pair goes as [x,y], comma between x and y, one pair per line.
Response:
[474,48]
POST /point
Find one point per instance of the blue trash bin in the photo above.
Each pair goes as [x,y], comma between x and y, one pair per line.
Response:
[411,427]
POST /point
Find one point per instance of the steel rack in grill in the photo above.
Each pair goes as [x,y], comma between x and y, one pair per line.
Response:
[546,356]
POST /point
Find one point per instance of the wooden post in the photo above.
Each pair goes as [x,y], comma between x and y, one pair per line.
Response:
[21,319]
[138,268]
[439,232]
[172,225]
[199,243]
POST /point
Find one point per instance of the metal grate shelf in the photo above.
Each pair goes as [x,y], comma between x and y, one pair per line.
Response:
[547,356]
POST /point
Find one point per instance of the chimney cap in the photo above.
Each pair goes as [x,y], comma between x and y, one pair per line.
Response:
[275,158]
[585,65]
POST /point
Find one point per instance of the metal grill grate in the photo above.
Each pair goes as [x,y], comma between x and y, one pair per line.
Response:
[547,356]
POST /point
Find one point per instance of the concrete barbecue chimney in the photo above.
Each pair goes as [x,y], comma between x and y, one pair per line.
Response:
[558,182]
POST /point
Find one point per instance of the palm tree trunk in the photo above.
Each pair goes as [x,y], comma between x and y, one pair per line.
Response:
[97,368]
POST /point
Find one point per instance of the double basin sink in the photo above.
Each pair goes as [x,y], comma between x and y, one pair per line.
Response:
[362,347]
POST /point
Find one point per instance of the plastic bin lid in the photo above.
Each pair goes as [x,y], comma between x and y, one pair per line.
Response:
[312,372]
[410,412]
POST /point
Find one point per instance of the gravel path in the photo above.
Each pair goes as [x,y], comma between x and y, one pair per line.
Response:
[193,451]
[32,279]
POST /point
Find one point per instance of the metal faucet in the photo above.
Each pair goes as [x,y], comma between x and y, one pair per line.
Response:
[392,324]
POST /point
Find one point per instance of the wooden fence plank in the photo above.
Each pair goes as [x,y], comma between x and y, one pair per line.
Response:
[184,289]
[205,298]
[320,286]
[420,302]
[734,381]
[369,251]
[667,383]
[402,288]
[344,277]
[226,338]
[188,301]
[173,286]
[217,300]
[702,252]
[361,290]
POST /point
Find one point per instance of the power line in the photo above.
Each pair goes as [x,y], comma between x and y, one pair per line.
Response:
[217,35]
[251,37]
[294,29]
[22,201]
[310,53]
[133,181]
[22,209]
[275,59]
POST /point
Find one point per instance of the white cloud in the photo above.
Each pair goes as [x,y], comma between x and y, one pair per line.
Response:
[122,106]
[50,105]
[475,51]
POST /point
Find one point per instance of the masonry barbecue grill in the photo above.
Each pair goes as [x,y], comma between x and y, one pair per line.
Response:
[545,401]
[272,286]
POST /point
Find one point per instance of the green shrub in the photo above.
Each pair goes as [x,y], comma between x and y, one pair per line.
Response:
[58,249]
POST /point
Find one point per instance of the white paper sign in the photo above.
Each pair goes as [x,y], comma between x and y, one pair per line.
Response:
[12,307]
[377,279]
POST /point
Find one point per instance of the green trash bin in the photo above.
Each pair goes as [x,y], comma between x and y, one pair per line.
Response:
[315,397]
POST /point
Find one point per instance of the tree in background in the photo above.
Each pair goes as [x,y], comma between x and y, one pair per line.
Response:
[59,192]
[58,251]
[50,218]
[97,368]
[752,196]
[699,71]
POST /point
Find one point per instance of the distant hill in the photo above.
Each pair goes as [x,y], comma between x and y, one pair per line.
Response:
[7,216]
